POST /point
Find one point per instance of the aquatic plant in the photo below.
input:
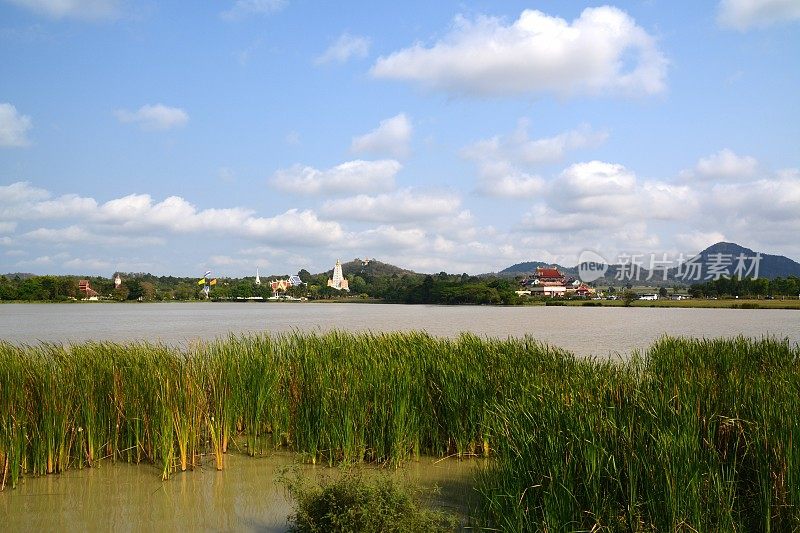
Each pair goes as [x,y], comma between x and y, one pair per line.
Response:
[689,434]
[352,502]
[693,435]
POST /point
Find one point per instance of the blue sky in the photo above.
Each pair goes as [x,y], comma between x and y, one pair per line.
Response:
[468,136]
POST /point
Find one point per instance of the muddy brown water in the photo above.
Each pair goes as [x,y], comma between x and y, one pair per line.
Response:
[598,331]
[246,496]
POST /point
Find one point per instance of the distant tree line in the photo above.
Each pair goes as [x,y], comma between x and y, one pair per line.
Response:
[441,288]
[747,287]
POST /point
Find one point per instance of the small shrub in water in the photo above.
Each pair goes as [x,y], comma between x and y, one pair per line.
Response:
[353,503]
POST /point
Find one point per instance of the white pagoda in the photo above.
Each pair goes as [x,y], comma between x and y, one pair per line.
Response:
[338,282]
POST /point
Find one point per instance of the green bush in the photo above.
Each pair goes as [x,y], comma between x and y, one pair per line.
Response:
[353,503]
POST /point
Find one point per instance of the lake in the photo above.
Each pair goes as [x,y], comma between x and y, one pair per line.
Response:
[246,496]
[598,331]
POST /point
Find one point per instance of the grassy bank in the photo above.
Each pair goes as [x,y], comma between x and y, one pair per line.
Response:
[692,434]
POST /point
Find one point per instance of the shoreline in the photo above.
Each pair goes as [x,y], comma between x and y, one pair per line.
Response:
[722,303]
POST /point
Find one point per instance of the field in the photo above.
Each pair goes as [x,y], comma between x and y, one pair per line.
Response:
[691,435]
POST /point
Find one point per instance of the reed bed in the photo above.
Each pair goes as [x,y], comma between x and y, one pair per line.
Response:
[690,435]
[693,435]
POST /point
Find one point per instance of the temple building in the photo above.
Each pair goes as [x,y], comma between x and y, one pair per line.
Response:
[85,288]
[338,282]
[548,281]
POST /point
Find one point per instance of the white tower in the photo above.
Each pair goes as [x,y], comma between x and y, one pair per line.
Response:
[258,280]
[338,282]
[117,281]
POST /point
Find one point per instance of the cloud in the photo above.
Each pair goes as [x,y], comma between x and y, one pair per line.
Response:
[399,206]
[8,227]
[154,117]
[345,47]
[137,220]
[245,8]
[391,137]
[80,235]
[519,148]
[244,264]
[92,265]
[226,175]
[512,186]
[698,240]
[19,192]
[600,196]
[602,51]
[14,126]
[44,260]
[758,203]
[292,138]
[69,234]
[546,219]
[79,9]
[351,177]
[611,189]
[745,14]
[500,157]
[389,238]
[724,165]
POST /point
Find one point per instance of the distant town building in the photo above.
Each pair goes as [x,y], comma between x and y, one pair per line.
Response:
[548,281]
[338,282]
[280,285]
[584,290]
[548,276]
[85,288]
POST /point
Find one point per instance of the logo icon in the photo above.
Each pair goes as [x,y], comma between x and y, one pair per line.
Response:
[591,266]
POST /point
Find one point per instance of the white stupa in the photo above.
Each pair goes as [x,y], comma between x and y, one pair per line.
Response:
[338,282]
[258,279]
[117,281]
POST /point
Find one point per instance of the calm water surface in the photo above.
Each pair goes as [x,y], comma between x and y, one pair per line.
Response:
[246,496]
[584,330]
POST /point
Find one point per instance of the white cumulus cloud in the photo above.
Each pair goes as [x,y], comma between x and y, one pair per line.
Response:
[400,206]
[499,158]
[512,186]
[517,147]
[602,51]
[391,137]
[345,47]
[154,117]
[350,177]
[745,14]
[14,126]
[20,192]
[724,165]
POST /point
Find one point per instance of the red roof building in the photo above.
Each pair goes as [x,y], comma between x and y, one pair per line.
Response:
[548,276]
[584,290]
[83,286]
